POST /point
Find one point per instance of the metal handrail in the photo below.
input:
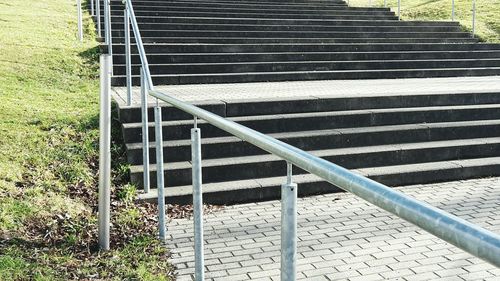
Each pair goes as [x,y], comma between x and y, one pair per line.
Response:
[471,238]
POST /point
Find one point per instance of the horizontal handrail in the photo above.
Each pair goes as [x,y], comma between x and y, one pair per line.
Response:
[478,241]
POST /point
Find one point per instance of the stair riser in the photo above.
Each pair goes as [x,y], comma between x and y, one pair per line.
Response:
[241,3]
[268,57]
[333,140]
[324,104]
[243,6]
[340,10]
[292,34]
[233,172]
[287,28]
[179,132]
[273,192]
[306,66]
[306,41]
[386,16]
[309,76]
[285,22]
[158,49]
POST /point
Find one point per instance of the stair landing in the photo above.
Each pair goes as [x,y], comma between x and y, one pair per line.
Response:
[330,88]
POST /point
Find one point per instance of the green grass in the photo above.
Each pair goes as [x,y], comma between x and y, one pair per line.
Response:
[48,156]
[487,13]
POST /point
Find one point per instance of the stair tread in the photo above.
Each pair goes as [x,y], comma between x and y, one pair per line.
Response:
[316,71]
[339,131]
[318,62]
[323,113]
[300,179]
[327,152]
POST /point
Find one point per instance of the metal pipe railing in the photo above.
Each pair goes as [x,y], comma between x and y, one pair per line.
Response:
[466,236]
[98,16]
[452,10]
[104,152]
[128,60]
[79,18]
[197,202]
[473,18]
[140,45]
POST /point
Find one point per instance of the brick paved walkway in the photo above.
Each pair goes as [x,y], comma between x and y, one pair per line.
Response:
[331,88]
[342,238]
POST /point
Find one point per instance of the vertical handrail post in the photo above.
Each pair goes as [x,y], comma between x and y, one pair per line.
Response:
[98,15]
[128,66]
[399,9]
[160,182]
[104,153]
[92,10]
[106,33]
[289,228]
[108,28]
[452,10]
[145,132]
[197,202]
[473,18]
[370,3]
[80,24]
[385,3]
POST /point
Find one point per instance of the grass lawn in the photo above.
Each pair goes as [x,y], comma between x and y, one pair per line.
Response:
[48,157]
[487,13]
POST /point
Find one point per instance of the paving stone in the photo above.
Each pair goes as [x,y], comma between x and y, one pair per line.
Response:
[395,250]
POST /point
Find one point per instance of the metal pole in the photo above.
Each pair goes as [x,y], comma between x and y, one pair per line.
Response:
[145,131]
[370,3]
[473,18]
[108,28]
[197,203]
[128,66]
[140,45]
[92,11]
[98,14]
[106,7]
[399,9]
[104,153]
[289,228]
[452,10]
[385,3]
[159,174]
[80,24]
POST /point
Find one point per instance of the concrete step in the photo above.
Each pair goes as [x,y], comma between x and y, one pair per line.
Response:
[335,10]
[221,41]
[285,66]
[243,6]
[293,122]
[229,2]
[280,106]
[179,79]
[272,21]
[227,147]
[165,48]
[307,56]
[275,28]
[168,13]
[261,189]
[293,34]
[265,166]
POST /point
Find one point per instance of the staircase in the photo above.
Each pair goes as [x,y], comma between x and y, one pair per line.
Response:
[229,41]
[394,139]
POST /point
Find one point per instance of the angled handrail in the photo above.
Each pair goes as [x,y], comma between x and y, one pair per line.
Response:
[471,238]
